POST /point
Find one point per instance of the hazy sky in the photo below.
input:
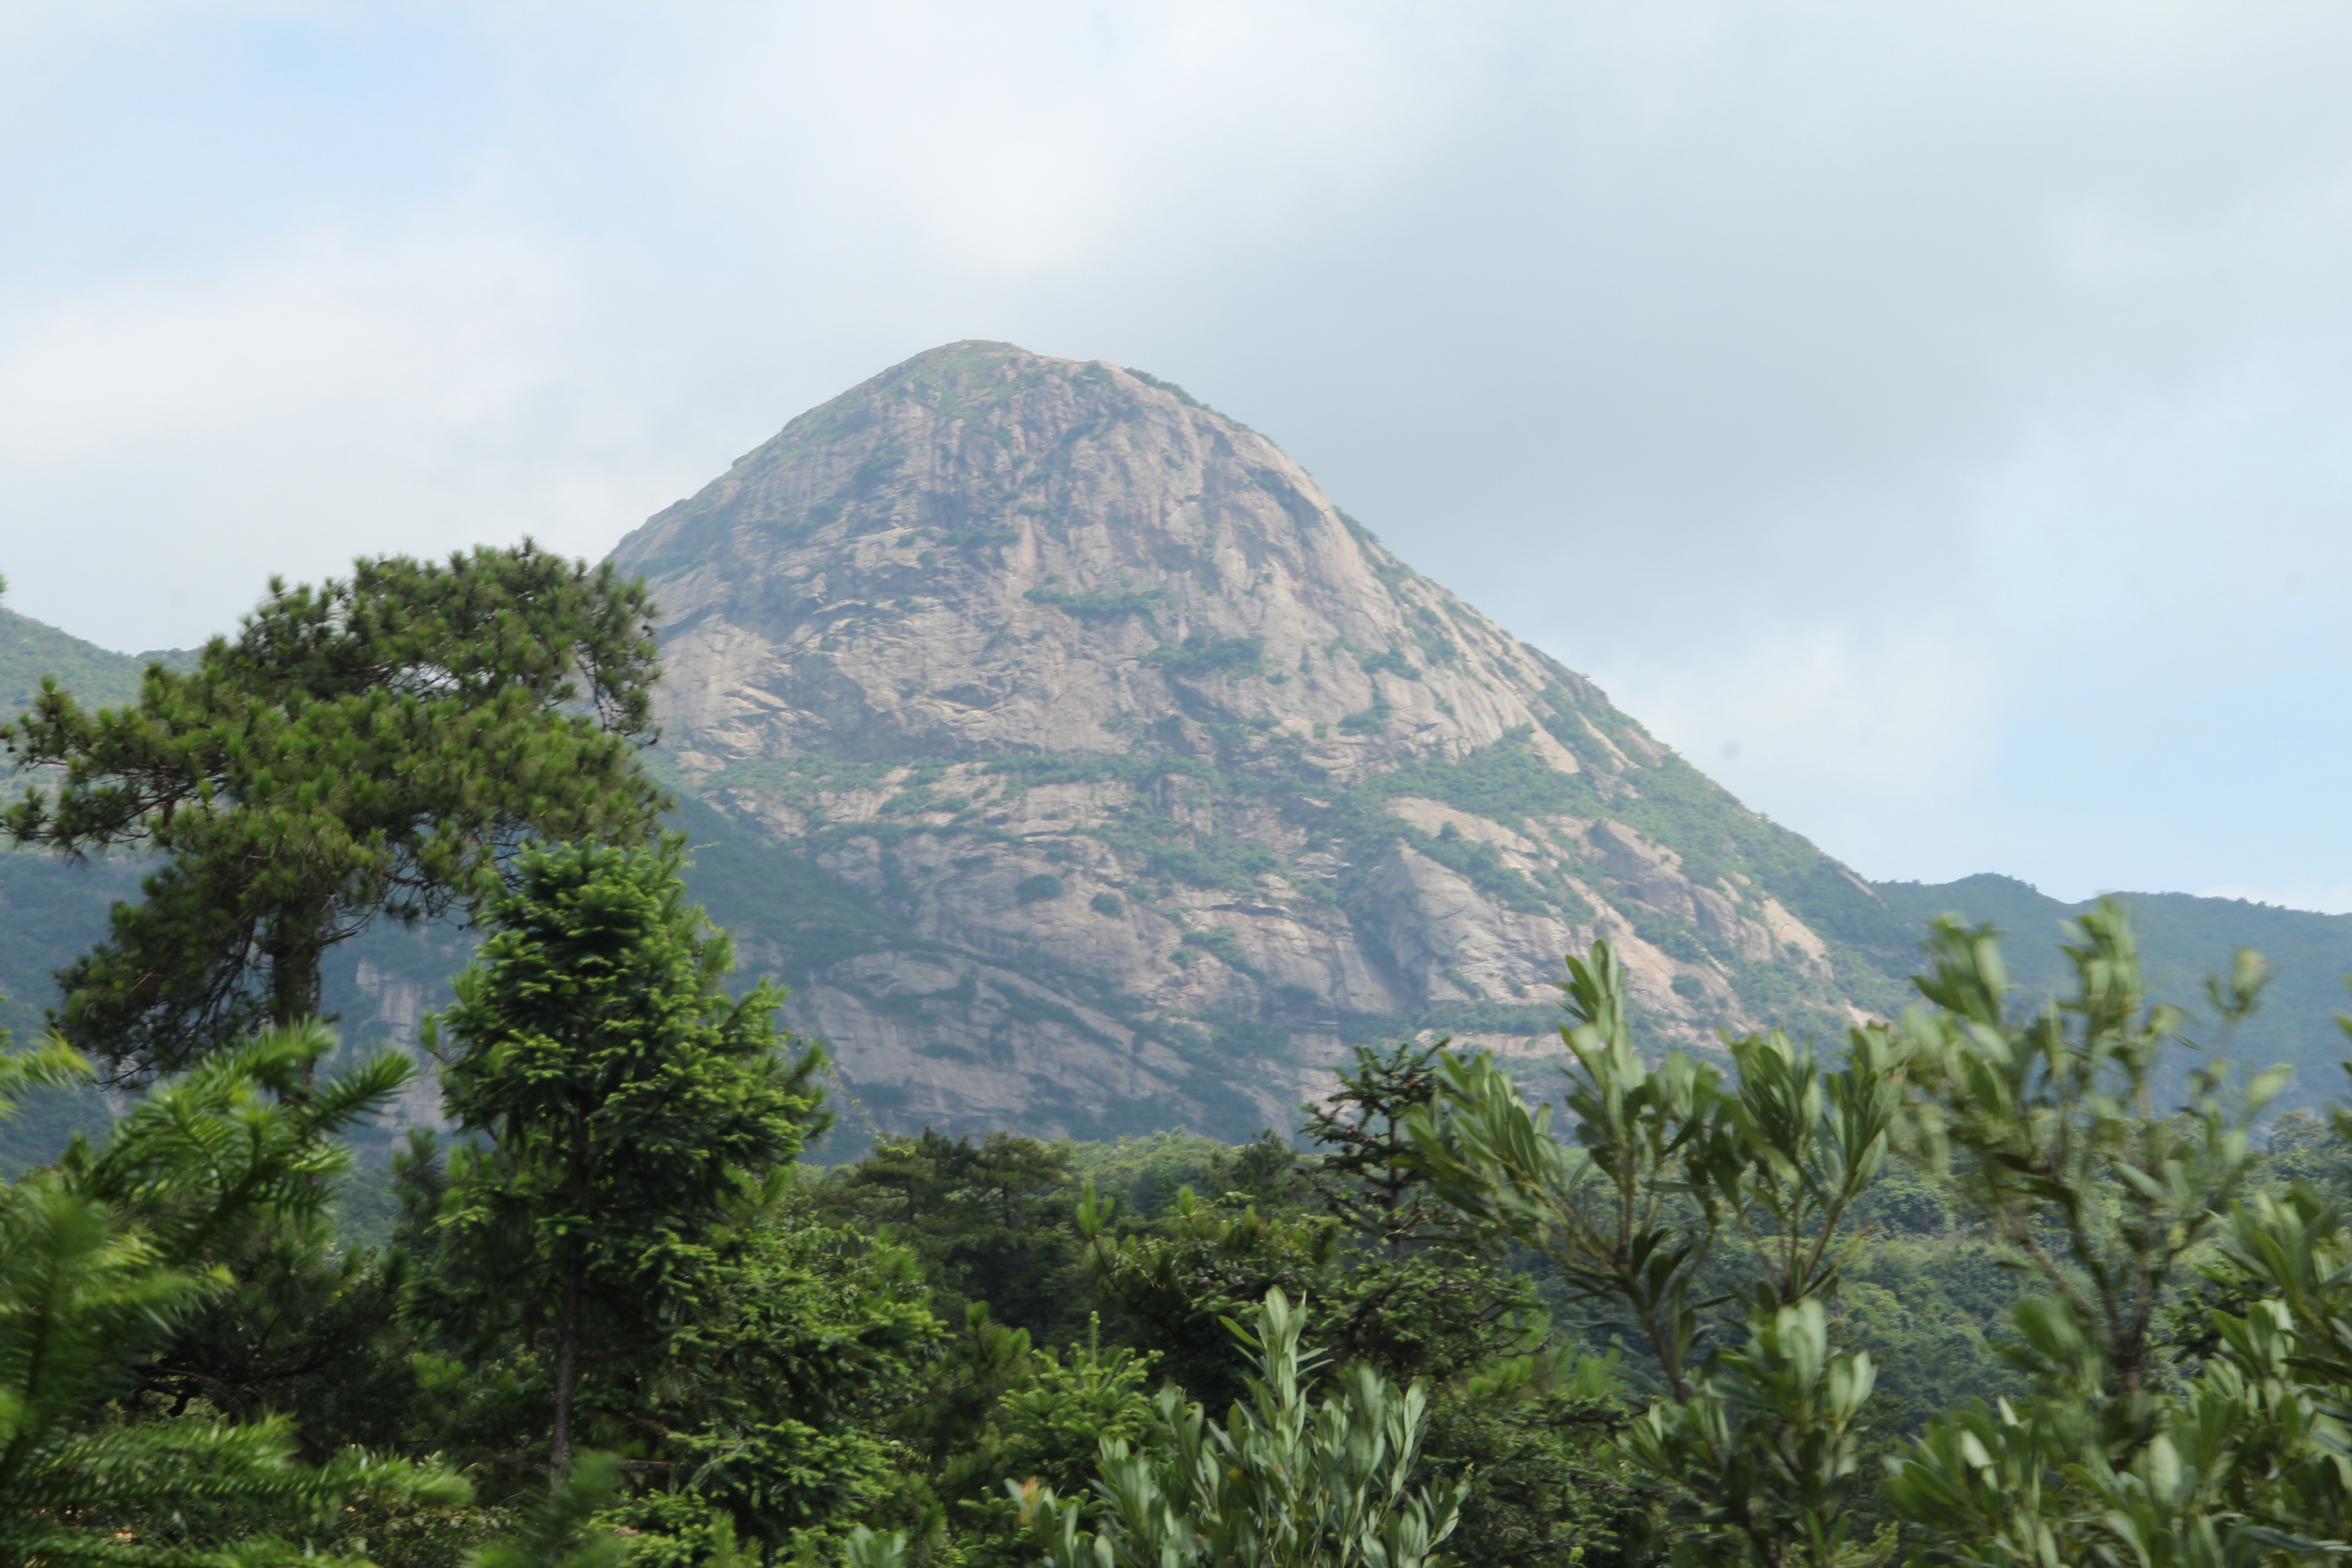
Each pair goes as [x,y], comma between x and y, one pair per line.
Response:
[1930,418]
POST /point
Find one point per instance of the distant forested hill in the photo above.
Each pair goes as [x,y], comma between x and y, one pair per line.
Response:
[2182,937]
[48,914]
[29,650]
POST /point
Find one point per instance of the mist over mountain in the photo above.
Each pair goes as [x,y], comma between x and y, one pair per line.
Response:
[1085,769]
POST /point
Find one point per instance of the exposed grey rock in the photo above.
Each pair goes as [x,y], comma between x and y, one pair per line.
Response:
[1158,779]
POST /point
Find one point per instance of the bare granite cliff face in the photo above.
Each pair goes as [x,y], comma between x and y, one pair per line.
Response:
[1085,769]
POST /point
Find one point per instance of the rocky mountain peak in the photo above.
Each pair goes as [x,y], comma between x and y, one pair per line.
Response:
[985,551]
[1101,773]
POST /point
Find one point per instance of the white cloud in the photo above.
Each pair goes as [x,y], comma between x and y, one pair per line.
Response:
[1821,724]
[168,443]
[1037,138]
[1839,381]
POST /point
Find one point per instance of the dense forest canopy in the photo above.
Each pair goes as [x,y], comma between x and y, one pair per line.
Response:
[1995,1282]
[374,746]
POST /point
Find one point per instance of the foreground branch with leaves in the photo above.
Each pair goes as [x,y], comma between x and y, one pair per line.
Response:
[1283,1483]
[376,746]
[103,1253]
[1754,1428]
[2055,1128]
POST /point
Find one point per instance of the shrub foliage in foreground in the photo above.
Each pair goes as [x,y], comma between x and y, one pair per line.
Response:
[1711,1316]
[2125,1445]
[103,1253]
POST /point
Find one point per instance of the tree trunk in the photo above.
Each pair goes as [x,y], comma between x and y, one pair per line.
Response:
[567,1370]
[296,962]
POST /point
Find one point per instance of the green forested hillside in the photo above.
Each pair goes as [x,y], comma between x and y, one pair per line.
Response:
[796,921]
[939,1351]
[640,1306]
[2182,937]
[49,913]
[792,920]
[30,650]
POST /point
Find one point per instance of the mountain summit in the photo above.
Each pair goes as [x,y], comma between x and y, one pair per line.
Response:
[1109,775]
[1086,771]
[983,552]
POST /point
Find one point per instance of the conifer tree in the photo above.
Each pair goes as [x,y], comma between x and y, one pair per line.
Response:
[102,1253]
[374,746]
[628,1107]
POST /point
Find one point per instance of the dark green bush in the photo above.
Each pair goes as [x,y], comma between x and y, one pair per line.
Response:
[1203,653]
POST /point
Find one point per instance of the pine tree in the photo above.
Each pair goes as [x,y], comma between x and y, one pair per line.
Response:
[376,746]
[627,1109]
[103,1253]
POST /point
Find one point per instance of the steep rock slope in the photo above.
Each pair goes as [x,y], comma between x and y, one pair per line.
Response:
[1154,779]
[977,749]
